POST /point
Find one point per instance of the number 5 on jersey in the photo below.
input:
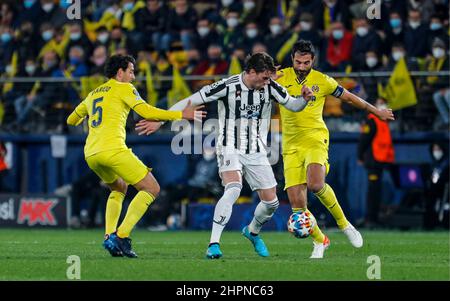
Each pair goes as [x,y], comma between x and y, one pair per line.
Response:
[97,109]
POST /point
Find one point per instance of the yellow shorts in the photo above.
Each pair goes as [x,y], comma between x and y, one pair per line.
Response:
[110,165]
[296,160]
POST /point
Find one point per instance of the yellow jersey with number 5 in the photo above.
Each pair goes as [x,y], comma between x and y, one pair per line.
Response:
[108,107]
[296,123]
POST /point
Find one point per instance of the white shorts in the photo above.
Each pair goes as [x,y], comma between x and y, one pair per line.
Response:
[258,176]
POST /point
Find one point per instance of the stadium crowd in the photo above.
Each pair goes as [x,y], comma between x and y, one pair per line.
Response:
[208,38]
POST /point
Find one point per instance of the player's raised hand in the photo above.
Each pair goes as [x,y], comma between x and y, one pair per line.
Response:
[194,112]
[307,93]
[147,127]
[385,114]
[277,74]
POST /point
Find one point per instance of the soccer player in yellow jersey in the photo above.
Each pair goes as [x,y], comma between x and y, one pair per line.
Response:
[305,141]
[107,108]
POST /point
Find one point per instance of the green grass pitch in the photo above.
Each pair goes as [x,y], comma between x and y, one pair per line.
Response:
[42,255]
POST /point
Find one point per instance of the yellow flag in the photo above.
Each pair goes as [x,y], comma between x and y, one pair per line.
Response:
[180,89]
[235,66]
[2,112]
[287,46]
[152,94]
[128,16]
[9,85]
[399,92]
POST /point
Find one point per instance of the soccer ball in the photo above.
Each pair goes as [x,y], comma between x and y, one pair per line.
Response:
[174,222]
[301,224]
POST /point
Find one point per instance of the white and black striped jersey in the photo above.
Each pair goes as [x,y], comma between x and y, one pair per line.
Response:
[244,114]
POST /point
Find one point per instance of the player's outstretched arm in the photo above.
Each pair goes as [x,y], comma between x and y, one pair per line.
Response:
[151,113]
[207,94]
[384,114]
[298,104]
[189,112]
[77,116]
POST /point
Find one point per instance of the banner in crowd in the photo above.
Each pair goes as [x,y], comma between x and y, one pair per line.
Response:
[34,211]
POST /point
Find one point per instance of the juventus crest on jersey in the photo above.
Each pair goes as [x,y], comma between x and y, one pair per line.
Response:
[244,114]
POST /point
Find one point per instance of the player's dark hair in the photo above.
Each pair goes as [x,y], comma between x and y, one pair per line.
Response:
[259,62]
[303,47]
[117,62]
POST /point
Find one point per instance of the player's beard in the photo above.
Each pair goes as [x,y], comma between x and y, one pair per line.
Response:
[302,74]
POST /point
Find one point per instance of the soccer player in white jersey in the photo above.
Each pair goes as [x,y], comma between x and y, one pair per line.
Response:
[245,102]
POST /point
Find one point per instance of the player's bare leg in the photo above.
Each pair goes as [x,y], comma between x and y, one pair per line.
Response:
[316,184]
[148,189]
[232,181]
[297,195]
[113,209]
[263,213]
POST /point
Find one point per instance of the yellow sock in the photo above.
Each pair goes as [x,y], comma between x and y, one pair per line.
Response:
[136,210]
[113,209]
[328,199]
[316,234]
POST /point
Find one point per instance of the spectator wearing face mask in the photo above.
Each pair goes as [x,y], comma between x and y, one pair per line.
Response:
[399,7]
[313,8]
[254,11]
[77,37]
[252,35]
[46,35]
[375,152]
[102,37]
[22,91]
[437,30]
[394,31]
[365,39]
[233,32]
[309,32]
[76,65]
[339,48]
[398,52]
[205,36]
[28,11]
[439,61]
[46,10]
[7,47]
[43,93]
[372,63]
[415,41]
[277,36]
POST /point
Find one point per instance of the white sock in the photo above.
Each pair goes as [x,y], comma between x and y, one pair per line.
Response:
[263,213]
[224,207]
